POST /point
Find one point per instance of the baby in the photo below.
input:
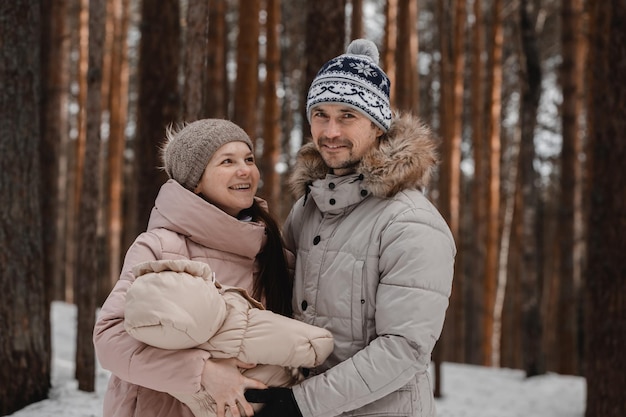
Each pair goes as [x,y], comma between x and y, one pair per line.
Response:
[178,304]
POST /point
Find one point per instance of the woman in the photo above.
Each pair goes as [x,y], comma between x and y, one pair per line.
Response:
[206,212]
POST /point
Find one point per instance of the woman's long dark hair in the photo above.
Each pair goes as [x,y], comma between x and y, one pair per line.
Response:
[274,280]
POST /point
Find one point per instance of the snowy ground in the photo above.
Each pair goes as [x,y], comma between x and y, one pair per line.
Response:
[470,391]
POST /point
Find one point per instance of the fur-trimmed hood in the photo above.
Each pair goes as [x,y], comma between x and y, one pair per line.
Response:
[404,159]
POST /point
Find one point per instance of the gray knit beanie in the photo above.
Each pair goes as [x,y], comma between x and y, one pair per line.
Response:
[355,80]
[188,150]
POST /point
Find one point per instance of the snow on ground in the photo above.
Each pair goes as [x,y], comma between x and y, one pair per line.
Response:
[469,391]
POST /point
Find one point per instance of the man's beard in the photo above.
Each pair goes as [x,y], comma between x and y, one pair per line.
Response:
[333,164]
[349,164]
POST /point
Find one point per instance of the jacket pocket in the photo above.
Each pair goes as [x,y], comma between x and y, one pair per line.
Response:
[358,303]
[425,399]
[400,403]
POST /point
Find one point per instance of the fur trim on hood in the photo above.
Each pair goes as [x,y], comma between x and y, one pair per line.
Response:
[404,159]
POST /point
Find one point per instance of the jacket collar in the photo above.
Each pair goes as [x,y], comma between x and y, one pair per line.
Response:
[404,159]
[184,212]
[334,194]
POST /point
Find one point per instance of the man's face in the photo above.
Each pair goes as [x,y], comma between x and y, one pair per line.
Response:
[342,135]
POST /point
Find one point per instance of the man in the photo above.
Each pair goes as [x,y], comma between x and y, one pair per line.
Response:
[374,258]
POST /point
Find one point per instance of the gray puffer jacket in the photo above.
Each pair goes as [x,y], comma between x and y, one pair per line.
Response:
[374,265]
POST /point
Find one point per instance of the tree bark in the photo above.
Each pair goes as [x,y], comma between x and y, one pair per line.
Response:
[322,43]
[406,89]
[476,258]
[24,313]
[118,110]
[528,177]
[440,351]
[390,42]
[159,99]
[457,302]
[54,127]
[570,207]
[292,79]
[78,152]
[88,272]
[453,57]
[247,85]
[356,30]
[195,65]
[271,118]
[606,271]
[493,188]
[216,95]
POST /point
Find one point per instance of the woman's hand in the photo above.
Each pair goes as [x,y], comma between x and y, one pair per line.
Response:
[226,385]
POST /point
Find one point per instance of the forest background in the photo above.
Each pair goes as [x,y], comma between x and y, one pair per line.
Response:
[527,97]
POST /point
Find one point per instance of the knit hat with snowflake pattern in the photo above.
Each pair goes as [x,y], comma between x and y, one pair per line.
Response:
[356,80]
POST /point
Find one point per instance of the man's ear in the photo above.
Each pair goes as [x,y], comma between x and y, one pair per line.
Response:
[379,131]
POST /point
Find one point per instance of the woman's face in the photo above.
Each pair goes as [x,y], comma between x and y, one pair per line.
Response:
[230,179]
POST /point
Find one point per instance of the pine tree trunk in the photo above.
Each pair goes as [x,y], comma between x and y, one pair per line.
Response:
[570,207]
[356,31]
[406,89]
[118,109]
[457,330]
[606,271]
[390,41]
[158,101]
[530,288]
[78,151]
[88,273]
[493,188]
[55,88]
[194,67]
[24,312]
[216,96]
[247,85]
[476,257]
[271,117]
[292,78]
[322,43]
[440,352]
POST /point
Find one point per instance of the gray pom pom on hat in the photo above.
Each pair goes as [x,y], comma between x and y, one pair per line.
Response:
[364,47]
[188,150]
[354,79]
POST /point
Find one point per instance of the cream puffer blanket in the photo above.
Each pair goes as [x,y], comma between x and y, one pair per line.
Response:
[178,304]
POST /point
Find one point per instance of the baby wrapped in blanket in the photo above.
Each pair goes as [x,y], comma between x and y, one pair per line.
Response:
[178,304]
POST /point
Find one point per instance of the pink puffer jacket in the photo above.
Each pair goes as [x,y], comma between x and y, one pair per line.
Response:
[177,304]
[182,226]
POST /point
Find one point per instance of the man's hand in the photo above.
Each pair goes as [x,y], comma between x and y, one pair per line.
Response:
[224,382]
[279,402]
